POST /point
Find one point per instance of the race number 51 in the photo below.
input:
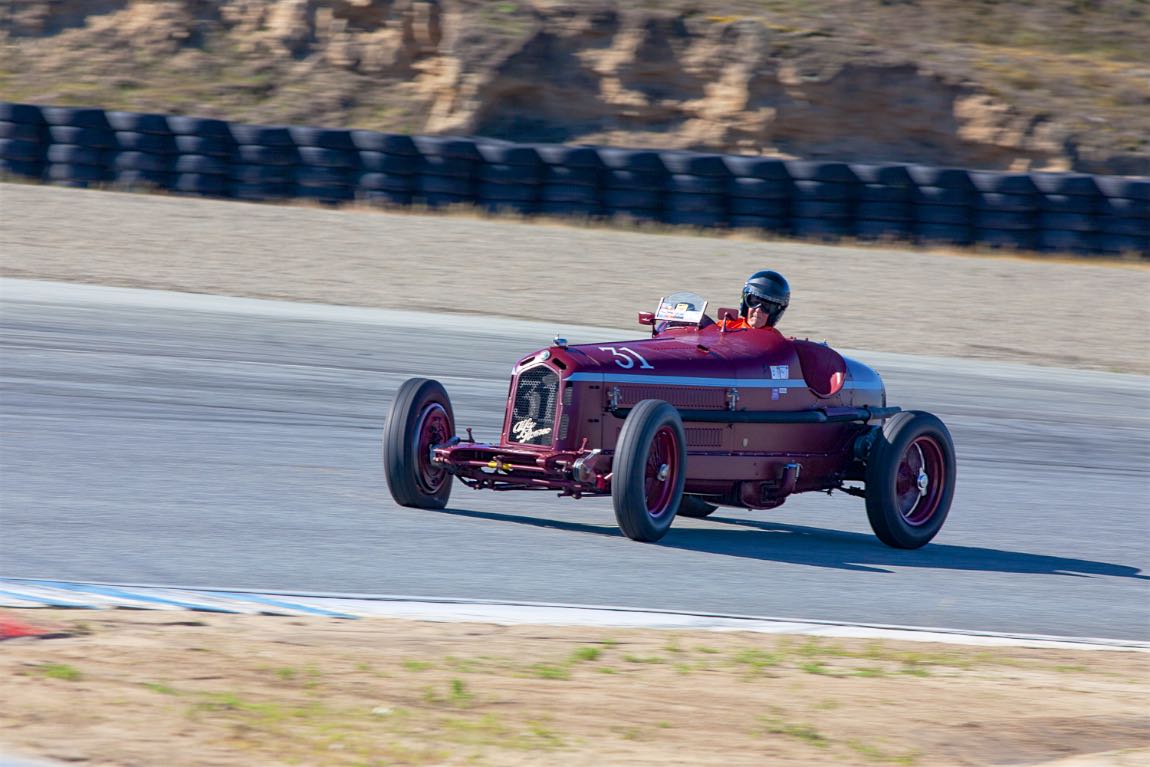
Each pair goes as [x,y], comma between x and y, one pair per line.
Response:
[627,359]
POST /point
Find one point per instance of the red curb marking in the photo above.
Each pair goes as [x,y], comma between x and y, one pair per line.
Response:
[11,628]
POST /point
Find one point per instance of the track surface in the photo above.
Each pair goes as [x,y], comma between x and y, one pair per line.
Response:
[203,441]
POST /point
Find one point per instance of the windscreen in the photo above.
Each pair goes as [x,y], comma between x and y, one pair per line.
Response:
[681,307]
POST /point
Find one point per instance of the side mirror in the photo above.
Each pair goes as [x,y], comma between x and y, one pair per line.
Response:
[646,318]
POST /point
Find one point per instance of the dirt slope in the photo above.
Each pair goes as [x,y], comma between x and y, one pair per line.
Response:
[1055,85]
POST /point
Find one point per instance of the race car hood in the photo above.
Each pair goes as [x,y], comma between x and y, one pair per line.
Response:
[693,352]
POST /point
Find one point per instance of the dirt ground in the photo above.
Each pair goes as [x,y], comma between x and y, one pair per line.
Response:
[178,688]
[1078,314]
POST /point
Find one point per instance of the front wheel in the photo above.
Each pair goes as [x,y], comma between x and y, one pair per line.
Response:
[420,418]
[649,470]
[910,477]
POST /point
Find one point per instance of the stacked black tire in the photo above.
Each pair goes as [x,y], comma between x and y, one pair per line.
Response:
[329,169]
[448,171]
[696,189]
[1067,204]
[1123,216]
[1006,207]
[24,141]
[634,183]
[571,181]
[885,208]
[825,194]
[146,153]
[510,177]
[83,146]
[388,166]
[943,202]
[759,193]
[264,163]
[204,163]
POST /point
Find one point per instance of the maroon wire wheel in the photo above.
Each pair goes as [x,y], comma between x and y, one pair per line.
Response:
[420,418]
[433,428]
[662,471]
[648,470]
[910,480]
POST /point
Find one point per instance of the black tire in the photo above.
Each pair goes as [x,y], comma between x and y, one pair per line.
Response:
[766,168]
[21,151]
[570,193]
[699,219]
[892,175]
[214,146]
[509,174]
[635,179]
[456,167]
[389,143]
[328,158]
[142,161]
[891,461]
[815,170]
[684,202]
[418,412]
[653,431]
[152,143]
[79,117]
[136,122]
[387,182]
[570,156]
[262,135]
[574,176]
[516,155]
[831,191]
[205,127]
[697,184]
[29,114]
[96,138]
[22,132]
[695,164]
[1003,183]
[325,138]
[632,159]
[750,206]
[447,146]
[695,507]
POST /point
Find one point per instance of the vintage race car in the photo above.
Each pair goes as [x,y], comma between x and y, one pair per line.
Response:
[699,415]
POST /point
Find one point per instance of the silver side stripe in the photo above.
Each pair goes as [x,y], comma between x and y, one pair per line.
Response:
[745,383]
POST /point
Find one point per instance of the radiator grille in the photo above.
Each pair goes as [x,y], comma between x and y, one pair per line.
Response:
[533,412]
[685,397]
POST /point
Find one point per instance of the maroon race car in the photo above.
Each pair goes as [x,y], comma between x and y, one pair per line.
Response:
[695,417]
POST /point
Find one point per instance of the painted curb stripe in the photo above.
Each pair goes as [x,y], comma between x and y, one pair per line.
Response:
[114,592]
[527,613]
[29,600]
[293,606]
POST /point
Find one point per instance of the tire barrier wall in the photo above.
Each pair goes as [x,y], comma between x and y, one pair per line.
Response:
[1046,212]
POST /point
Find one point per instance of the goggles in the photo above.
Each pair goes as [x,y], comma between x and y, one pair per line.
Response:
[758,302]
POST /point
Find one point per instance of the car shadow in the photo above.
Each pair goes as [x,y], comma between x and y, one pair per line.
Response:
[835,549]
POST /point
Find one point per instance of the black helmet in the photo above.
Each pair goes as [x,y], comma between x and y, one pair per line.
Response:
[769,288]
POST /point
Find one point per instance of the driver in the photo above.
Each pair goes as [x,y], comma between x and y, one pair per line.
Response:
[765,298]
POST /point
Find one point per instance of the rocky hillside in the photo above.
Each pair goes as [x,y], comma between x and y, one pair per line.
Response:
[1040,84]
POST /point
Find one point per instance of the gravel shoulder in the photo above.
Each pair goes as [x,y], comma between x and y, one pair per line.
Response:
[195,689]
[1074,314]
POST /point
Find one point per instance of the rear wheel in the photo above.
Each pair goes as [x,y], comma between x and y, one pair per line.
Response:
[420,418]
[910,480]
[649,470]
[695,507]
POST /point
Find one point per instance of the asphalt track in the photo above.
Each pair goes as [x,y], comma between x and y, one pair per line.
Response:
[212,442]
